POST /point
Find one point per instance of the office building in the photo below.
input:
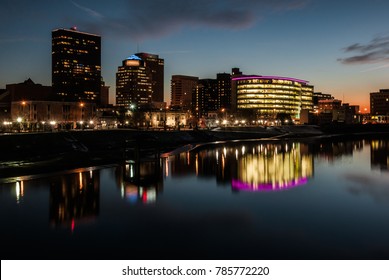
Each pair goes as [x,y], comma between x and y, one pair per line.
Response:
[36,115]
[76,65]
[235,72]
[27,90]
[205,97]
[272,95]
[155,68]
[181,91]
[224,90]
[328,105]
[104,95]
[133,84]
[22,92]
[379,103]
[31,105]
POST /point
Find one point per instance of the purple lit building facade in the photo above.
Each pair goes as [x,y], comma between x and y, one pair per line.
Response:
[272,95]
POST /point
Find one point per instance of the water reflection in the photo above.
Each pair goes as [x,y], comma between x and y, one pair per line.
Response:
[380,154]
[274,167]
[19,190]
[331,151]
[104,208]
[74,198]
[140,182]
[251,167]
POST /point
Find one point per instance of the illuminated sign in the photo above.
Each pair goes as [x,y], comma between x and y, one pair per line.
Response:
[132,63]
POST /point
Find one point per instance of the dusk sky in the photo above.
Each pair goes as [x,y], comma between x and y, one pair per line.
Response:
[341,47]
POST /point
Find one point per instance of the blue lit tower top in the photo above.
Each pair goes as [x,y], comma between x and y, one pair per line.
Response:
[133,83]
[133,57]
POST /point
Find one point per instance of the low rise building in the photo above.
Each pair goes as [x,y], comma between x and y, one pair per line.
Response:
[165,118]
[33,115]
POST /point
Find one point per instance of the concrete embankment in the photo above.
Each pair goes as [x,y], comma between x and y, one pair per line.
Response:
[26,153]
[36,152]
[27,146]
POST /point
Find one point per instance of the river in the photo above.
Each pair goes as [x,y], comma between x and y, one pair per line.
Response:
[240,200]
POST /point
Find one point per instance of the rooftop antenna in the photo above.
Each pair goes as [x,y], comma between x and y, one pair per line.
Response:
[137,47]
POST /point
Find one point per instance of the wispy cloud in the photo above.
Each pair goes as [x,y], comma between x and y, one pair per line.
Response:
[376,51]
[376,68]
[176,52]
[368,185]
[89,11]
[155,18]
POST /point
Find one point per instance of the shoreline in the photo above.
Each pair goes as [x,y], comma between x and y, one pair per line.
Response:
[28,154]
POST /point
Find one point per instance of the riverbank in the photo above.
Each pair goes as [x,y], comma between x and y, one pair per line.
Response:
[29,153]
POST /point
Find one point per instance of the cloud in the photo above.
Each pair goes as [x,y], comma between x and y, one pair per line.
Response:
[368,185]
[155,18]
[376,68]
[376,51]
[365,180]
[91,12]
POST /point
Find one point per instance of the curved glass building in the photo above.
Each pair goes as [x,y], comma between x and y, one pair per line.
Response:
[271,95]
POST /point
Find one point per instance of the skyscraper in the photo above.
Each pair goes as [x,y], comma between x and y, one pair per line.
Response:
[76,65]
[133,83]
[155,68]
[205,97]
[181,90]
[224,90]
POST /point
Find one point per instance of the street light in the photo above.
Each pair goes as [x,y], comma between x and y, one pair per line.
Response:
[165,126]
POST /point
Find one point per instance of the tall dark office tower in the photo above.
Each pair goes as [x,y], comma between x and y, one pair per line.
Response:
[155,68]
[234,73]
[224,90]
[76,65]
[205,97]
[133,83]
[181,91]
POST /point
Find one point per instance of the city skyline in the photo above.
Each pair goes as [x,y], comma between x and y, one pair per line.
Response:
[340,49]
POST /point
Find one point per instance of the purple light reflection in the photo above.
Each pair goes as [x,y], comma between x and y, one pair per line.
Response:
[269,78]
[242,186]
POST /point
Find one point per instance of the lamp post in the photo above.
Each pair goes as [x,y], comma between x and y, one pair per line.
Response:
[19,120]
[23,118]
[133,116]
[82,115]
[165,119]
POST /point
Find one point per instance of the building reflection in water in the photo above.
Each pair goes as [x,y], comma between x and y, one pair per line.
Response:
[74,198]
[140,182]
[331,151]
[273,167]
[379,150]
[249,167]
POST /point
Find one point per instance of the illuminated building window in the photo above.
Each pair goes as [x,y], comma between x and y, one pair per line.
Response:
[273,95]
